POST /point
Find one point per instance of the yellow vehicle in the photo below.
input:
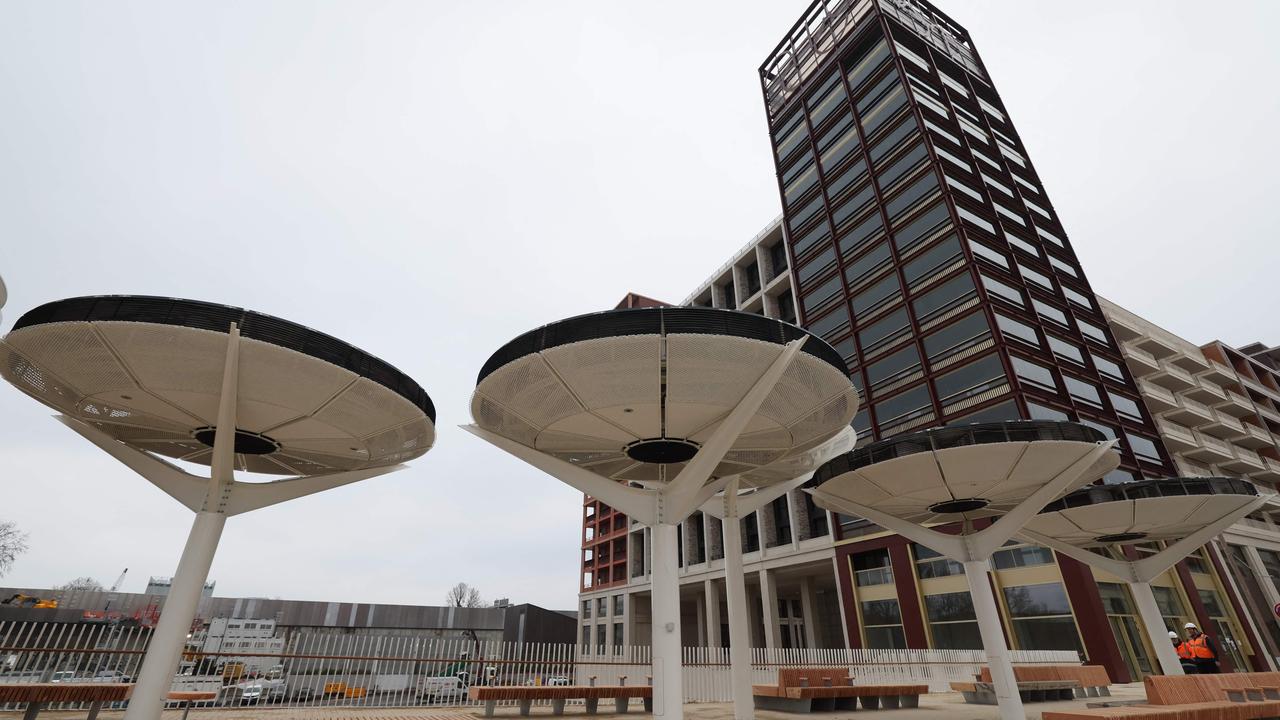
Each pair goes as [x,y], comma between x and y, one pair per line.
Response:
[30,601]
[232,672]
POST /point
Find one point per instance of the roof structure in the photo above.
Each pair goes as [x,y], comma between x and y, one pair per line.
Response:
[148,371]
[1144,511]
[631,395]
[965,472]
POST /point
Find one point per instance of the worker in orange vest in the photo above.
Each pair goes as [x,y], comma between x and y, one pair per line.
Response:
[1203,652]
[1184,653]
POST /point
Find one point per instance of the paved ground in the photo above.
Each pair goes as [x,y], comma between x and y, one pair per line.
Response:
[936,706]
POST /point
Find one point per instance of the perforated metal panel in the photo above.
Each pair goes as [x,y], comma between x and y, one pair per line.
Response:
[153,385]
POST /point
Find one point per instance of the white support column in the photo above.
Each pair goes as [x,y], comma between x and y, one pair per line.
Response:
[668,700]
[711,591]
[809,609]
[1259,569]
[769,605]
[1157,633]
[164,650]
[700,618]
[992,632]
[735,591]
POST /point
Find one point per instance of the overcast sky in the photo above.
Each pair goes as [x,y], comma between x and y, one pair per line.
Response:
[428,180]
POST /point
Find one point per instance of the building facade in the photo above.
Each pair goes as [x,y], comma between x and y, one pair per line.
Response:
[918,239]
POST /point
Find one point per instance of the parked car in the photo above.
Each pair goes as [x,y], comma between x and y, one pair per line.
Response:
[259,691]
[111,676]
[63,676]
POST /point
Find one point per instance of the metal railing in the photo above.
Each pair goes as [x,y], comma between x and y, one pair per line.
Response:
[327,669]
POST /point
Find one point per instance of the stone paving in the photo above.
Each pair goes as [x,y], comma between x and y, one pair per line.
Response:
[935,706]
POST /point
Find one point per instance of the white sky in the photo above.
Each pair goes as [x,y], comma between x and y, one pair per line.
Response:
[428,180]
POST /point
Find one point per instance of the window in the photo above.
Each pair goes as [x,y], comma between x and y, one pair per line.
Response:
[797,182]
[1125,406]
[951,158]
[826,99]
[753,278]
[1022,245]
[878,294]
[930,564]
[849,208]
[975,220]
[919,228]
[817,517]
[904,406]
[928,262]
[602,607]
[853,174]
[1020,556]
[991,109]
[1025,184]
[1049,312]
[778,258]
[838,143]
[862,233]
[952,623]
[893,139]
[908,55]
[1034,277]
[1106,430]
[864,267]
[817,297]
[813,267]
[781,520]
[1143,447]
[933,105]
[1063,267]
[874,119]
[993,183]
[1041,616]
[881,330]
[900,363]
[1041,412]
[1033,374]
[962,188]
[1037,209]
[730,301]
[1083,391]
[617,637]
[953,84]
[808,239]
[1019,331]
[882,622]
[972,130]
[1045,234]
[586,639]
[1003,291]
[988,254]
[618,604]
[872,568]
[586,609]
[959,335]
[1064,349]
[1013,155]
[1002,210]
[786,308]
[903,165]
[995,413]
[601,641]
[1107,368]
[924,187]
[750,534]
[969,380]
[1077,298]
[828,325]
[792,133]
[988,161]
[867,63]
[1093,332]
[946,295]
[954,141]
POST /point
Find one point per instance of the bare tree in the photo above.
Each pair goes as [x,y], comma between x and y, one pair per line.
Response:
[81,583]
[13,542]
[463,595]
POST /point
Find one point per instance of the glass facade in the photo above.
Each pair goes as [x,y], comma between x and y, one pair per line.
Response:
[917,223]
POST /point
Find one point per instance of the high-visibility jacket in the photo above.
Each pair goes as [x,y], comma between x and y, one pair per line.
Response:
[1184,651]
[1199,647]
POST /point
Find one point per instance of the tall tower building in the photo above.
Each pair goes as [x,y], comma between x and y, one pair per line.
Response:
[923,242]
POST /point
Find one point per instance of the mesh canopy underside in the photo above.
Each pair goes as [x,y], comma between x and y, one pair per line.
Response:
[1158,518]
[585,401]
[1004,474]
[152,386]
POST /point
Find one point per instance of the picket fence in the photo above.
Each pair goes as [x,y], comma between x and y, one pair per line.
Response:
[330,669]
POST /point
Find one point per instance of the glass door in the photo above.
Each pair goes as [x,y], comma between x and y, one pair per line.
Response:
[1126,629]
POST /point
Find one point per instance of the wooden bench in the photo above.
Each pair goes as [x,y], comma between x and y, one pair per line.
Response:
[558,694]
[984,693]
[37,695]
[186,697]
[1091,680]
[827,689]
[1237,696]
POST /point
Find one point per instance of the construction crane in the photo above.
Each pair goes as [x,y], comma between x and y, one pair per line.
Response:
[115,586]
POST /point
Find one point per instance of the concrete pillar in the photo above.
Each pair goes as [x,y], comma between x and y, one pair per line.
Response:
[769,604]
[1153,622]
[1260,571]
[992,632]
[700,613]
[712,593]
[668,693]
[809,609]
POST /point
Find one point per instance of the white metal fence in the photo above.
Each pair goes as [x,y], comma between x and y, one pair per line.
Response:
[326,669]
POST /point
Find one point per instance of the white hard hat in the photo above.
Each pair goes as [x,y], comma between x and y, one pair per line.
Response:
[1188,626]
[1173,635]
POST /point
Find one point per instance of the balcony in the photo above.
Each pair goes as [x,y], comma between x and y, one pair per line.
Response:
[1125,329]
[1190,413]
[1161,347]
[1193,469]
[1245,461]
[1223,426]
[1158,399]
[1254,437]
[1235,405]
[1206,391]
[1270,472]
[874,576]
[1268,412]
[1177,438]
[1259,387]
[1210,449]
[1218,374]
[1173,377]
[1140,362]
